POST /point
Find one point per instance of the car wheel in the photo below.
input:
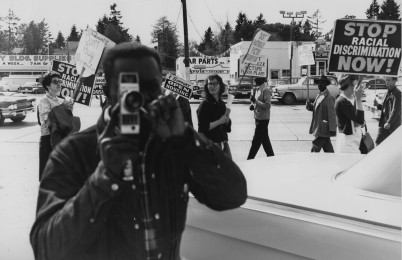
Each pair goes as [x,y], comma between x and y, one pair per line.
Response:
[2,119]
[289,99]
[17,119]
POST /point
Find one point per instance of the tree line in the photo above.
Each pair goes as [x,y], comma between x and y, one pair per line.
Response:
[35,37]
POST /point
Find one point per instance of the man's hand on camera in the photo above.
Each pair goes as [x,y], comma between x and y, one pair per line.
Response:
[117,150]
[166,117]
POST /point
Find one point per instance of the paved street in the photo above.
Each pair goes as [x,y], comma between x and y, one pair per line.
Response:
[288,130]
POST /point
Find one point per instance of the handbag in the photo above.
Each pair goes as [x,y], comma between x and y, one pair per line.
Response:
[367,143]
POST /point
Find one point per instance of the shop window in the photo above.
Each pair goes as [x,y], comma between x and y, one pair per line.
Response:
[274,74]
[285,73]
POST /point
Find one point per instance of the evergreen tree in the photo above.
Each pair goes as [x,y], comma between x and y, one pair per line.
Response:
[60,41]
[307,35]
[259,21]
[316,20]
[101,25]
[244,28]
[11,24]
[389,11]
[138,39]
[107,24]
[208,45]
[74,36]
[36,38]
[225,38]
[165,34]
[373,11]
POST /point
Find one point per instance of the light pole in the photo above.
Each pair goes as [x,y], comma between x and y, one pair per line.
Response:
[290,15]
[48,50]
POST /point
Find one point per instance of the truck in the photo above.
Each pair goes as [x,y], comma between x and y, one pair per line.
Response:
[17,81]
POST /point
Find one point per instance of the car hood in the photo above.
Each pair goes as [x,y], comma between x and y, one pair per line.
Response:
[307,181]
[15,99]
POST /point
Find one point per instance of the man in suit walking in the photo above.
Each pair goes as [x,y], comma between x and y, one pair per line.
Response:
[323,123]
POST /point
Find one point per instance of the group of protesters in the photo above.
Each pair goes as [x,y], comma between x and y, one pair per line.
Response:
[344,117]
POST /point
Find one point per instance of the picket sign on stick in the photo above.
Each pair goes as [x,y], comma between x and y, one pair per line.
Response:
[78,84]
[256,46]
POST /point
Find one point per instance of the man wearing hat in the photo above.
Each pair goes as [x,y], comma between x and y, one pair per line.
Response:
[323,123]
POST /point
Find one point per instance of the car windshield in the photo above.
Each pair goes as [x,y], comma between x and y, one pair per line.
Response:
[244,80]
[380,170]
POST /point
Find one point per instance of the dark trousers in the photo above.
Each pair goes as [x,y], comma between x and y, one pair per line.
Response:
[260,137]
[324,143]
[45,148]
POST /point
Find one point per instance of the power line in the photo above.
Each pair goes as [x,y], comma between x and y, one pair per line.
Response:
[178,16]
[194,25]
[212,15]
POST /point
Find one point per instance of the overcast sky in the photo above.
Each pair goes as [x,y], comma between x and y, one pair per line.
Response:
[140,15]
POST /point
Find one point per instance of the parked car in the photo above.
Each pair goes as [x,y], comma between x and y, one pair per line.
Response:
[244,90]
[372,91]
[32,87]
[291,93]
[15,107]
[307,206]
[9,86]
[198,89]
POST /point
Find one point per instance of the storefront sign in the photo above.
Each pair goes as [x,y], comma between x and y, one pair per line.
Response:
[30,62]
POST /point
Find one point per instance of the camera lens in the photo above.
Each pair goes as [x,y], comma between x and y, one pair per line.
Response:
[133,101]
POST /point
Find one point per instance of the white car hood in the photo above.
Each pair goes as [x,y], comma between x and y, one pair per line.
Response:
[307,181]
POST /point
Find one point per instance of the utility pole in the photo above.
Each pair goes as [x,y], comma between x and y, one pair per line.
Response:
[290,15]
[186,52]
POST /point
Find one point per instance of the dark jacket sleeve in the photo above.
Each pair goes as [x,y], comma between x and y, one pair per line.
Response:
[350,112]
[215,180]
[60,123]
[396,109]
[71,209]
[203,118]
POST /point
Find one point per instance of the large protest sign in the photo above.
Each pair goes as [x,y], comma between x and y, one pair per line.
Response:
[305,54]
[178,85]
[256,46]
[366,47]
[255,70]
[89,51]
[70,76]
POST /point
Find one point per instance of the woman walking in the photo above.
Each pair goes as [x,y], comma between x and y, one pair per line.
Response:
[350,115]
[213,116]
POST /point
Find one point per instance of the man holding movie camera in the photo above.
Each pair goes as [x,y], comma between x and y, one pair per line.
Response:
[119,189]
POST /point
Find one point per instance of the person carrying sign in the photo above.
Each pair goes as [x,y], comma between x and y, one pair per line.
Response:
[107,195]
[213,116]
[390,118]
[323,123]
[350,115]
[262,111]
[51,83]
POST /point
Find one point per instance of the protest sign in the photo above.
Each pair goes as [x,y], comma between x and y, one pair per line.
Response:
[255,70]
[89,51]
[70,76]
[178,85]
[305,53]
[366,47]
[256,46]
[98,87]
